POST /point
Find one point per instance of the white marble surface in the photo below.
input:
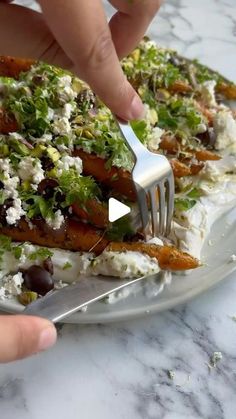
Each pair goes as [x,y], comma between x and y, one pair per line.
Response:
[120,371]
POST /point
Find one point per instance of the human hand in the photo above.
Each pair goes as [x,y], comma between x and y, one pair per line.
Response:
[22,336]
[75,35]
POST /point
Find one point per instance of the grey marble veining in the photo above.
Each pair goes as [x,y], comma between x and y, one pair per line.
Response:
[121,371]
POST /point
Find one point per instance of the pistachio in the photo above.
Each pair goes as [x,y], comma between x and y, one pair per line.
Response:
[27,297]
[136,55]
[88,134]
[53,153]
[162,95]
[4,150]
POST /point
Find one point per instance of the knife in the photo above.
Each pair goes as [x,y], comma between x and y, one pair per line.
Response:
[59,304]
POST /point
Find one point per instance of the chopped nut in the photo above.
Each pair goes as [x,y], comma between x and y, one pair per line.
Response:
[27,297]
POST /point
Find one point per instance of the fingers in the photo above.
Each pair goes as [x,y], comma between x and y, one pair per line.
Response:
[130,23]
[21,336]
[81,29]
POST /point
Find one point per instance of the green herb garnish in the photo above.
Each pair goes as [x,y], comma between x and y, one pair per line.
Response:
[66,266]
[42,253]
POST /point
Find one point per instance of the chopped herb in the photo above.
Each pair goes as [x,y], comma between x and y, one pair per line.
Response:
[120,229]
[42,253]
[5,243]
[67,265]
[2,197]
[184,204]
[77,188]
[140,129]
[195,193]
[17,251]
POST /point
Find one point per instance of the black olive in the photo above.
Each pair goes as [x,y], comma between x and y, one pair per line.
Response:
[47,186]
[1,185]
[208,138]
[48,265]
[176,61]
[3,210]
[47,163]
[86,99]
[38,279]
[59,197]
[38,80]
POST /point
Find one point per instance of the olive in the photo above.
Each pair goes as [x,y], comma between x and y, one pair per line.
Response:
[3,210]
[37,279]
[46,187]
[176,61]
[208,138]
[48,265]
[47,163]
[1,185]
[86,97]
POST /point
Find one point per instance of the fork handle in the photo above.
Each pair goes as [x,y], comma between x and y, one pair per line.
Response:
[131,139]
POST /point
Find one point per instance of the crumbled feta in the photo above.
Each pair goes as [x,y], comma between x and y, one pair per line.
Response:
[46,138]
[150,115]
[10,187]
[66,162]
[15,212]
[207,90]
[201,128]
[216,170]
[56,222]
[31,169]
[233,258]
[67,110]
[5,166]
[11,285]
[156,240]
[65,90]
[61,126]
[225,129]
[155,138]
[50,114]
[16,136]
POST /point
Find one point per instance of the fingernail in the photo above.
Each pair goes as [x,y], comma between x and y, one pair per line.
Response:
[47,338]
[136,108]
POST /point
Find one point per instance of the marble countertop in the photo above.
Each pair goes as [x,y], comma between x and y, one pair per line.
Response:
[124,370]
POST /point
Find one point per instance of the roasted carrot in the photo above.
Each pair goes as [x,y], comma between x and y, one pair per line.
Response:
[8,122]
[93,211]
[12,67]
[195,168]
[169,258]
[204,155]
[228,90]
[180,86]
[76,236]
[170,144]
[118,179]
[180,169]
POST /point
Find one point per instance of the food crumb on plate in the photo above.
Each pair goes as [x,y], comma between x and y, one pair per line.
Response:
[215,358]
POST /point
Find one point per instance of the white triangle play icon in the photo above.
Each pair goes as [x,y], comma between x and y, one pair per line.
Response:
[116,210]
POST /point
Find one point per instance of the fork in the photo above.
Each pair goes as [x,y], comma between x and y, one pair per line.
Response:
[153,181]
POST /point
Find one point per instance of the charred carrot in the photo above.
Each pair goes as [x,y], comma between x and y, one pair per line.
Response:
[12,67]
[169,258]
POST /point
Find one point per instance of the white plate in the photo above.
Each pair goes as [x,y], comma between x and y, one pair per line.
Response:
[183,287]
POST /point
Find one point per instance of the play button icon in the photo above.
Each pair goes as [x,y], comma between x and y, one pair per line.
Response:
[116,210]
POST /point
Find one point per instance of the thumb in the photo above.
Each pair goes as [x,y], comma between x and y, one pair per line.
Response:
[22,336]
